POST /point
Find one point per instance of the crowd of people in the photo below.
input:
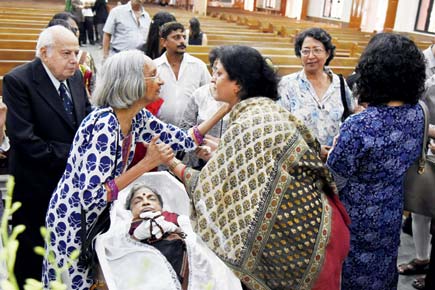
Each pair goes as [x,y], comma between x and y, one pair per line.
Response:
[293,182]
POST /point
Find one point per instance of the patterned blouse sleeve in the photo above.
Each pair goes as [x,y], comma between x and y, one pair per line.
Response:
[147,125]
[285,92]
[93,160]
[346,157]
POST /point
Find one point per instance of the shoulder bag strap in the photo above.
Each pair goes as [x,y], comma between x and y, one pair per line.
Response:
[346,112]
[422,160]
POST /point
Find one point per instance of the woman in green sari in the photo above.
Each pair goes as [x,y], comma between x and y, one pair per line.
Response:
[264,202]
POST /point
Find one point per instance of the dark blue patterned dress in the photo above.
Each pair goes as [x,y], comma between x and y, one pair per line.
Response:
[373,152]
[96,156]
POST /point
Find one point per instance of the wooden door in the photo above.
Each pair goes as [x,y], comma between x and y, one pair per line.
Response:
[391,15]
[356,13]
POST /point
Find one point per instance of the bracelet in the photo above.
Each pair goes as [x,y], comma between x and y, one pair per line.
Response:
[113,190]
[199,138]
[182,173]
[174,163]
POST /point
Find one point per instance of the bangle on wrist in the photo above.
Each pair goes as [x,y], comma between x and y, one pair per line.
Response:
[182,173]
[199,138]
[113,190]
[174,163]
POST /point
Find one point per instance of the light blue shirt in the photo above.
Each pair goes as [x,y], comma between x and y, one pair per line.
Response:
[126,32]
[321,115]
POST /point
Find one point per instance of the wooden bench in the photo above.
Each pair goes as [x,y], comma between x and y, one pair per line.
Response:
[23,24]
[279,59]
[17,54]
[29,17]
[288,69]
[18,44]
[7,65]
[18,36]
[12,30]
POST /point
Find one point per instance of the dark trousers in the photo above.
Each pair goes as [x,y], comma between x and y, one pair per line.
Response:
[82,38]
[89,30]
[31,214]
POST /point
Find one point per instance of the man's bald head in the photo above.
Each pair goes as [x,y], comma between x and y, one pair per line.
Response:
[58,48]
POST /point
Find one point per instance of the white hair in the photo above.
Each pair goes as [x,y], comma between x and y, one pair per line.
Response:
[120,81]
[47,38]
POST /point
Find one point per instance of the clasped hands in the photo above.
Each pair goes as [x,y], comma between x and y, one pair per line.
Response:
[208,147]
[161,153]
[153,227]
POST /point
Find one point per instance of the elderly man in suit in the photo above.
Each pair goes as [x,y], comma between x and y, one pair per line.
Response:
[46,102]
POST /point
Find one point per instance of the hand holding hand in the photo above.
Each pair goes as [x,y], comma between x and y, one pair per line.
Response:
[208,148]
[157,153]
[152,227]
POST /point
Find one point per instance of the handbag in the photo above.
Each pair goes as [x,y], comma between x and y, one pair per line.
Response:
[419,186]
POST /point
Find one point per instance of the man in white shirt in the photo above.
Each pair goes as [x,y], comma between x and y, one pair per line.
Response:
[181,72]
[126,28]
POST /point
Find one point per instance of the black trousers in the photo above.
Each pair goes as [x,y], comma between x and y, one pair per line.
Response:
[31,214]
[89,30]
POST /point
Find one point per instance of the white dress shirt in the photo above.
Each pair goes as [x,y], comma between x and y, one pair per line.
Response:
[177,92]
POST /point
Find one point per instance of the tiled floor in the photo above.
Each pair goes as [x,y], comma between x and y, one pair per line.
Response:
[406,254]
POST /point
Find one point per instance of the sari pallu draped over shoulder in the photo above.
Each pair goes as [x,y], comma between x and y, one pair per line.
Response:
[260,202]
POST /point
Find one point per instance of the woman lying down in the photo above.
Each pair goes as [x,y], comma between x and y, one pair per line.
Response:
[151,244]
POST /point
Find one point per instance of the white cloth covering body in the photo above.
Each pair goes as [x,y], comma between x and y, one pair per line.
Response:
[129,265]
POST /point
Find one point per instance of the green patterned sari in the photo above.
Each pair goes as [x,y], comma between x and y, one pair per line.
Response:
[260,202]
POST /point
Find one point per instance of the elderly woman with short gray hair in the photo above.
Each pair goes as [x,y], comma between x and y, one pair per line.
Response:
[101,152]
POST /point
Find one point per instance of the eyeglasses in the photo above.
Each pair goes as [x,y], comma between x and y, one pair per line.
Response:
[154,78]
[315,51]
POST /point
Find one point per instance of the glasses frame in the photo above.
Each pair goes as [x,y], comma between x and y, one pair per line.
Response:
[154,78]
[315,51]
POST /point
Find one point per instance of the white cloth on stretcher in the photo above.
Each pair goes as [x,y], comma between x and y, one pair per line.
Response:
[129,265]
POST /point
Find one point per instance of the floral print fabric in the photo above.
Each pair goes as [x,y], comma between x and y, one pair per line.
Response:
[95,158]
[373,152]
[321,116]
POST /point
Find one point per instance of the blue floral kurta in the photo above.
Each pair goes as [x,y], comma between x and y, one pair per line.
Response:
[321,116]
[373,152]
[96,156]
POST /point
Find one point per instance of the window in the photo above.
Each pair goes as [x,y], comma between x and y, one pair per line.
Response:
[426,17]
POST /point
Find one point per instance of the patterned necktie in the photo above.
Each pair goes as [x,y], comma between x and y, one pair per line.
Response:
[67,102]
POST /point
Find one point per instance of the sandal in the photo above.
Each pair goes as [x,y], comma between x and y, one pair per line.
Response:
[419,283]
[413,268]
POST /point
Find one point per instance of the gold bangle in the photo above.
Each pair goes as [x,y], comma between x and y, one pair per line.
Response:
[173,164]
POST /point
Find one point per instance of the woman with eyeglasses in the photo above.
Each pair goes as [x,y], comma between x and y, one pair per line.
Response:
[314,94]
[101,152]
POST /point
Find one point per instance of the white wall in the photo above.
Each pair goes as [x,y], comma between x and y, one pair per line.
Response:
[293,9]
[374,14]
[315,9]
[347,7]
[406,15]
[249,5]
